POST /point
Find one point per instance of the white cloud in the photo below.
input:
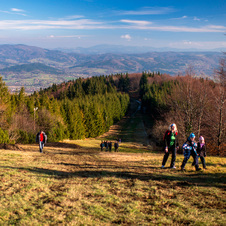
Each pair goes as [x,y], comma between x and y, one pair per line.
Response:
[17,10]
[148,11]
[217,27]
[49,24]
[198,45]
[88,24]
[147,39]
[68,36]
[187,42]
[138,22]
[178,29]
[127,37]
[73,17]
[180,18]
[14,11]
[195,18]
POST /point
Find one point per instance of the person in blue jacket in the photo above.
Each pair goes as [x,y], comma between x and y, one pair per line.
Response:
[189,149]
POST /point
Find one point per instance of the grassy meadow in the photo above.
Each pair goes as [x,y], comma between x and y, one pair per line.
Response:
[73,183]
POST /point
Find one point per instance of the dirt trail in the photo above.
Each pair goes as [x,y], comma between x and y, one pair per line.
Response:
[131,128]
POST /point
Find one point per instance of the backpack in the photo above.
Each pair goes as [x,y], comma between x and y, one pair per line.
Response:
[167,133]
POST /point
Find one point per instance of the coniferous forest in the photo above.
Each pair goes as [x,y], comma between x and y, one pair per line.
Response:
[86,108]
[74,110]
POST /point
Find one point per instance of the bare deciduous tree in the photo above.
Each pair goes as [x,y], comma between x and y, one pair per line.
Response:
[221,107]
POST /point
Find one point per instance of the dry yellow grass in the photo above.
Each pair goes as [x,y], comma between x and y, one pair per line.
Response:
[73,183]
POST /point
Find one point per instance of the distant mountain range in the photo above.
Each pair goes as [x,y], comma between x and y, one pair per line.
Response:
[35,67]
[120,49]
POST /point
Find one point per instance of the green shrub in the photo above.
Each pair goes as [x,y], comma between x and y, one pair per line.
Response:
[25,137]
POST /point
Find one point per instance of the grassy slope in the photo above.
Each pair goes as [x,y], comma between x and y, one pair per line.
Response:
[73,184]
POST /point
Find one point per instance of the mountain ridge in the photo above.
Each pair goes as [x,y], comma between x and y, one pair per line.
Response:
[32,67]
[67,66]
[105,48]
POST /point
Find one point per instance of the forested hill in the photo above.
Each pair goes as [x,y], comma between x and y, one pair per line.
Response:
[18,54]
[86,108]
[78,109]
[33,67]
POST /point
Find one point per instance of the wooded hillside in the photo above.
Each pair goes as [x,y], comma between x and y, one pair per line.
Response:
[195,104]
[85,108]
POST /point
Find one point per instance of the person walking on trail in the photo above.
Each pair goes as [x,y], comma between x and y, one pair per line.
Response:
[116,145]
[102,146]
[170,145]
[189,149]
[106,145]
[110,145]
[201,151]
[41,138]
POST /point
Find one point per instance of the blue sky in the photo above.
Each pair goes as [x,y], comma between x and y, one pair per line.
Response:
[51,24]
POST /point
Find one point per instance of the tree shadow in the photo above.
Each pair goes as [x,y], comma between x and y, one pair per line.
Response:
[62,145]
[213,164]
[90,171]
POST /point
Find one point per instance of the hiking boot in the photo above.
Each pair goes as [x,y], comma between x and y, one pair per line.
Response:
[173,167]
[162,166]
[198,169]
[182,169]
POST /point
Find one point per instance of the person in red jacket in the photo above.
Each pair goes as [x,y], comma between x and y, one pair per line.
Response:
[170,145]
[41,138]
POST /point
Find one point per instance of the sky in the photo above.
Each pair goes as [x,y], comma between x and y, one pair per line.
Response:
[183,24]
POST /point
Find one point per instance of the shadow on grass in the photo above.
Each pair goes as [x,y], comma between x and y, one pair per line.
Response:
[199,179]
[75,149]
[214,164]
[62,145]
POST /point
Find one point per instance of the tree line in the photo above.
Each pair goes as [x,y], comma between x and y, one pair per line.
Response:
[77,109]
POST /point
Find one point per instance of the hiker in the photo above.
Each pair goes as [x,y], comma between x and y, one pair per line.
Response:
[189,149]
[41,138]
[110,145]
[170,145]
[102,146]
[106,145]
[201,151]
[116,145]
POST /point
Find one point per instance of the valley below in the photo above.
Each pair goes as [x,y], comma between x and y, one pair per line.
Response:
[35,68]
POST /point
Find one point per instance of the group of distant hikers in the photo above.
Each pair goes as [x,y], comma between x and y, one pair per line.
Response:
[190,148]
[41,139]
[107,145]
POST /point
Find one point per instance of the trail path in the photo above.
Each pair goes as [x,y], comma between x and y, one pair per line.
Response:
[131,128]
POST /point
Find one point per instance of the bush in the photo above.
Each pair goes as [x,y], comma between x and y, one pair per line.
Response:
[25,137]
